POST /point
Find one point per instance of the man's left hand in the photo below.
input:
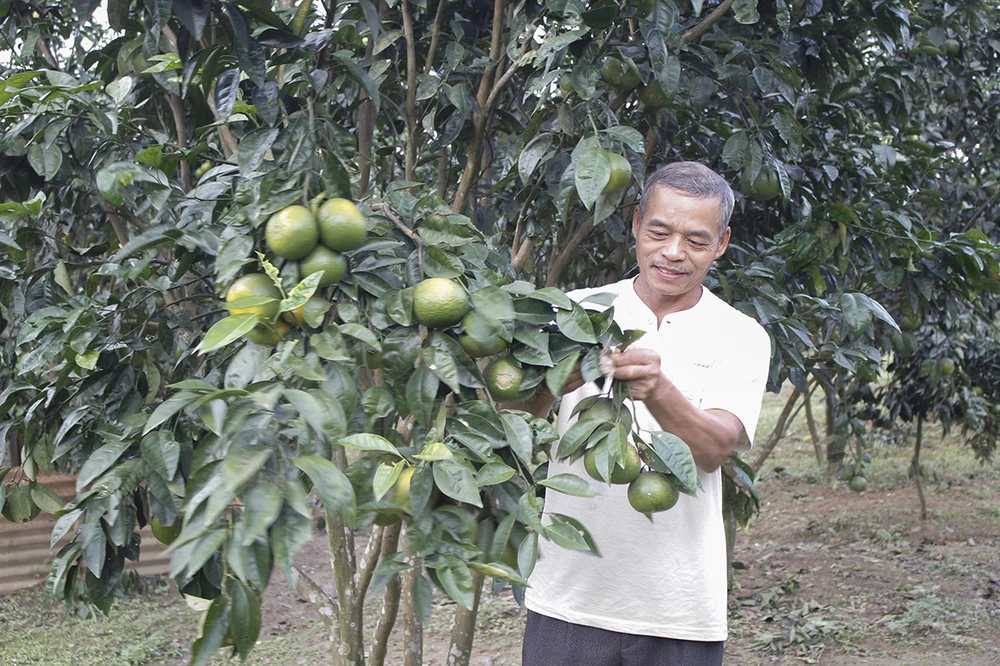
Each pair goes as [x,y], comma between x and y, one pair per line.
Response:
[640,368]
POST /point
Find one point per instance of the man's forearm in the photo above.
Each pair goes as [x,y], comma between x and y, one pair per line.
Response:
[712,435]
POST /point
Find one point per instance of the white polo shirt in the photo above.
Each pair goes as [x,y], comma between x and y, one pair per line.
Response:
[665,577]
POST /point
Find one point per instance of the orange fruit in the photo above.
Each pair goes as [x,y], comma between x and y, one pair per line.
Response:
[292,232]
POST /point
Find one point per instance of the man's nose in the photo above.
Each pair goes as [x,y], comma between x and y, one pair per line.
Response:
[673,247]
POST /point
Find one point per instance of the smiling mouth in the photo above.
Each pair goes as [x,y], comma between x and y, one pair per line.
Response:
[669,273]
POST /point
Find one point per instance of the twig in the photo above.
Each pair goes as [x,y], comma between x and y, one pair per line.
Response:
[707,22]
[982,209]
[386,211]
[435,33]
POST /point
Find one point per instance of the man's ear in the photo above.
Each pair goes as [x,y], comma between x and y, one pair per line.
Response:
[636,222]
[723,242]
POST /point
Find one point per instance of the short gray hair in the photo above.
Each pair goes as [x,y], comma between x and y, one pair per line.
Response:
[693,179]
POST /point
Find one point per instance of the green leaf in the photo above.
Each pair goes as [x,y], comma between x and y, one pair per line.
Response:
[300,293]
[44,499]
[245,616]
[168,408]
[46,160]
[248,52]
[333,486]
[435,451]
[361,334]
[362,77]
[261,507]
[745,11]
[498,570]
[532,154]
[457,482]
[227,330]
[369,442]
[384,478]
[576,436]
[161,453]
[492,474]
[556,376]
[518,435]
[553,296]
[592,171]
[100,461]
[566,536]
[456,581]
[114,178]
[214,627]
[443,365]
[674,456]
[570,484]
[575,324]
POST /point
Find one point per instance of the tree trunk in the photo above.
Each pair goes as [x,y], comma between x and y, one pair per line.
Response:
[915,466]
[776,434]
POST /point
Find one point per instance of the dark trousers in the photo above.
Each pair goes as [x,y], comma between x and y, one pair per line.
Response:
[552,642]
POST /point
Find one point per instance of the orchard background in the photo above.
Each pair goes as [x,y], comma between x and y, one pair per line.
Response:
[144,147]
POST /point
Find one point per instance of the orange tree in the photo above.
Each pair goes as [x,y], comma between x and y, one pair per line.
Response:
[145,147]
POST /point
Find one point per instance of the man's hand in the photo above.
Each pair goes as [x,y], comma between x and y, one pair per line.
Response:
[640,368]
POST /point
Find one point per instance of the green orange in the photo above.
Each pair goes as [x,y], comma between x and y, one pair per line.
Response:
[619,474]
[503,380]
[292,232]
[621,173]
[257,285]
[332,264]
[652,492]
[165,534]
[439,302]
[342,227]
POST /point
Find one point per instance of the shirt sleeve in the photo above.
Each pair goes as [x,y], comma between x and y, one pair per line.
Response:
[737,380]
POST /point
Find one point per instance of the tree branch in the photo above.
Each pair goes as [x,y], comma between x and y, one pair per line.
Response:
[411,92]
[435,34]
[562,259]
[390,602]
[182,139]
[386,211]
[368,560]
[776,434]
[703,26]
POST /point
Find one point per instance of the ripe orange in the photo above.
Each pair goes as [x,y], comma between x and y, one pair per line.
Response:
[292,232]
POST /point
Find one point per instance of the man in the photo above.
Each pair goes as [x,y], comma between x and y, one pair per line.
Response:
[656,594]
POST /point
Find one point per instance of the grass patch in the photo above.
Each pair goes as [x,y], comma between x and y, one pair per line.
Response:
[140,629]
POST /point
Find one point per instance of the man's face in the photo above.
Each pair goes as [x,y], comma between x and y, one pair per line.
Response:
[675,244]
